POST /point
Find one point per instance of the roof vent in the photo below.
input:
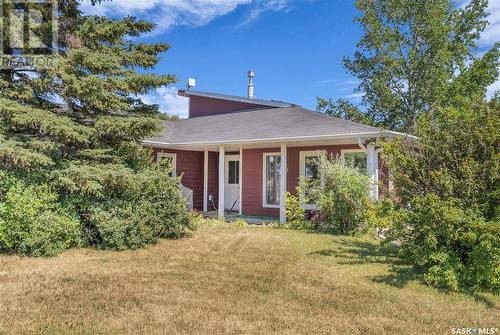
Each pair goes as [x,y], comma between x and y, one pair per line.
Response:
[251,74]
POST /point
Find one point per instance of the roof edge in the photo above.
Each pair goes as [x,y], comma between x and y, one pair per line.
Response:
[269,103]
[267,140]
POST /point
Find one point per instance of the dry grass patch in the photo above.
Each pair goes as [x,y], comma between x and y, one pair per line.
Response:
[231,281]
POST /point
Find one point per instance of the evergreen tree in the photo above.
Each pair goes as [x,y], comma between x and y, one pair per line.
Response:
[76,123]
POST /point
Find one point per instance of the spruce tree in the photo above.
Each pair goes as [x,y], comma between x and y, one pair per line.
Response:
[75,123]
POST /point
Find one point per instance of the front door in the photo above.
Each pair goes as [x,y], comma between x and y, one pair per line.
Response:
[232,183]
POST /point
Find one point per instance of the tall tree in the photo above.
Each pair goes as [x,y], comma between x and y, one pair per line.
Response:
[80,107]
[418,54]
[70,132]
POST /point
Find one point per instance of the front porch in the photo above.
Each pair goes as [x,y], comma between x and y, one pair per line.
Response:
[250,180]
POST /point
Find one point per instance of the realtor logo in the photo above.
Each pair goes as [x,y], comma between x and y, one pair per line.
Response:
[28,32]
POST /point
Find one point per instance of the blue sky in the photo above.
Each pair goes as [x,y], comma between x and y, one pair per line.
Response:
[294,46]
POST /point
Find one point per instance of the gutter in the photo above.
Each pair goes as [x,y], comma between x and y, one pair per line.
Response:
[268,140]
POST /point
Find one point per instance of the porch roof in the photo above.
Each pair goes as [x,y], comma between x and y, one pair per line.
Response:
[262,125]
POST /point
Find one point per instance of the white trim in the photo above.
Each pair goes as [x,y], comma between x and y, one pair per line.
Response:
[160,155]
[360,143]
[222,163]
[241,180]
[283,170]
[276,139]
[264,181]
[235,158]
[205,181]
[302,167]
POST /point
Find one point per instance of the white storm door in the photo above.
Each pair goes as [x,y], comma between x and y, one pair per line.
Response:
[232,183]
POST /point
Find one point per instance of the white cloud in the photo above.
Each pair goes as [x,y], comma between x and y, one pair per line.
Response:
[170,13]
[356,95]
[262,6]
[492,89]
[168,100]
[492,33]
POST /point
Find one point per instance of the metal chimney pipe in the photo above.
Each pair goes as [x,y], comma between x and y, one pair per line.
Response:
[251,74]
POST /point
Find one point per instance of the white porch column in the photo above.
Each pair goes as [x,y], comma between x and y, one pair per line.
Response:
[372,167]
[205,181]
[241,180]
[222,154]
[283,184]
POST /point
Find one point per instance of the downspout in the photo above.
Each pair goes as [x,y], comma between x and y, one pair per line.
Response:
[360,143]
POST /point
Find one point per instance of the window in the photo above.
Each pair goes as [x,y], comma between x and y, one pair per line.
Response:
[233,175]
[355,158]
[271,180]
[171,158]
[309,172]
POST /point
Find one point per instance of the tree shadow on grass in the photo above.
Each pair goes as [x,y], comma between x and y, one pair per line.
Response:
[353,252]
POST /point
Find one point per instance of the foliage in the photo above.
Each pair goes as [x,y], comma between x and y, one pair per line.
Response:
[457,157]
[200,221]
[453,248]
[448,187]
[240,222]
[382,213]
[343,109]
[342,195]
[414,56]
[295,213]
[76,124]
[151,208]
[33,223]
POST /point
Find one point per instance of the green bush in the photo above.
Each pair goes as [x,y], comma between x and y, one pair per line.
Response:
[382,214]
[154,209]
[448,219]
[454,249]
[295,213]
[343,197]
[33,223]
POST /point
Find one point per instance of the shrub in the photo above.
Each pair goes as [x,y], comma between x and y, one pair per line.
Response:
[295,213]
[154,209]
[447,184]
[454,249]
[382,214]
[32,223]
[343,196]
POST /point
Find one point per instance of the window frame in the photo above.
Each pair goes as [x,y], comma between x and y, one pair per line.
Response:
[264,179]
[302,174]
[347,151]
[172,155]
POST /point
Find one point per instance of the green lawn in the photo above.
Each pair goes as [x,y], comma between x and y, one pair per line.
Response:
[231,281]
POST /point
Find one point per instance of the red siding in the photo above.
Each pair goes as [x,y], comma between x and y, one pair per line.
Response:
[252,174]
[213,178]
[190,167]
[203,106]
[252,183]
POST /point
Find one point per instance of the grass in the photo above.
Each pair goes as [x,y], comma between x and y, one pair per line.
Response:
[231,281]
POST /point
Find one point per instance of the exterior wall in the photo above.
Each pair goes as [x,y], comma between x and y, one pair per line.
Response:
[189,165]
[252,183]
[253,170]
[203,106]
[213,179]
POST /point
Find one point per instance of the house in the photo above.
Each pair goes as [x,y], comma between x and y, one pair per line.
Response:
[242,154]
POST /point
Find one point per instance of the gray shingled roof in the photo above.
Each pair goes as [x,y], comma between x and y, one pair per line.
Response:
[270,103]
[264,124]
